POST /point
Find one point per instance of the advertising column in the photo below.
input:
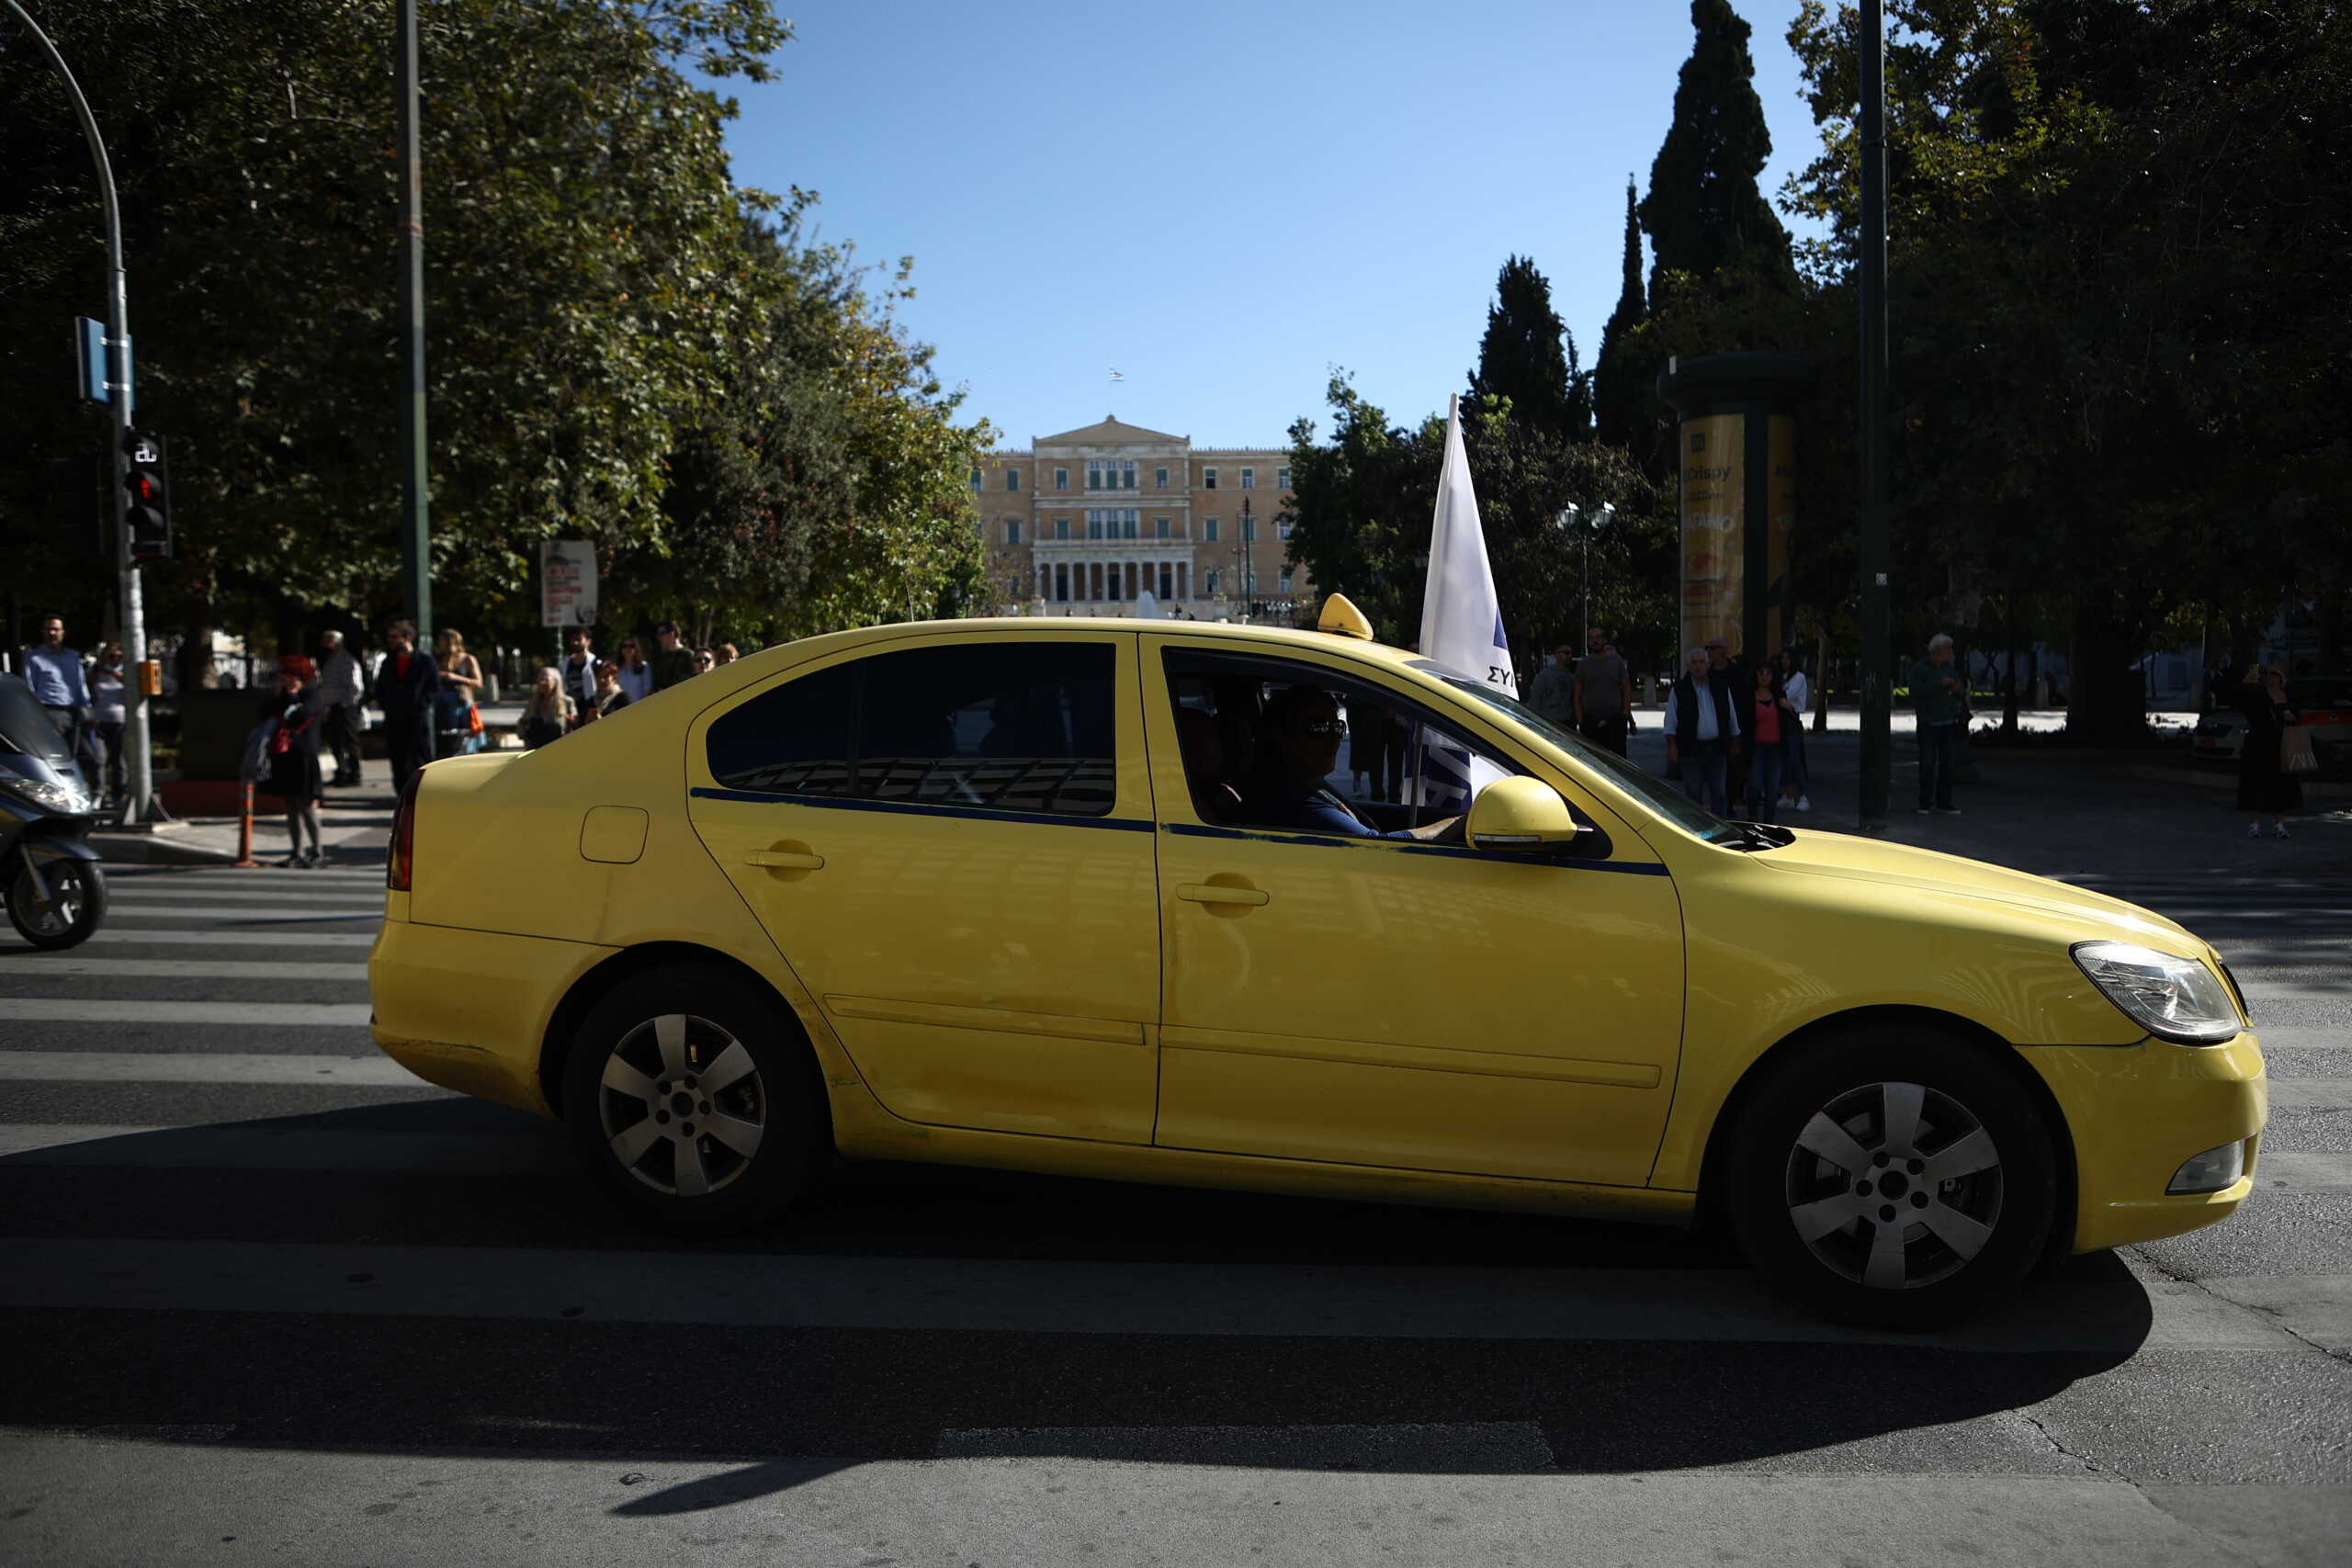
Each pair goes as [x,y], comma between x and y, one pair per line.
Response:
[1737,456]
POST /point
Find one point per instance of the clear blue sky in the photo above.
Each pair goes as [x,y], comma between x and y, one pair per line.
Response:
[1222,200]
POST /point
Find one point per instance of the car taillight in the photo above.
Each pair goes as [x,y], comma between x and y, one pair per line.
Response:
[398,870]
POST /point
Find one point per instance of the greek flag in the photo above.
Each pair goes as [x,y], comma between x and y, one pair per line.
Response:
[1462,623]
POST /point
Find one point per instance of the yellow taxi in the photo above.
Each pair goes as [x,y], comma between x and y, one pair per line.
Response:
[1288,911]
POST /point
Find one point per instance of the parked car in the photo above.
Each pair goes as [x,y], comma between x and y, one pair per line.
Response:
[2321,701]
[949,892]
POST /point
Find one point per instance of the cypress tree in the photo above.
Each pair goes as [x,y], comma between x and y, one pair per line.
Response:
[1617,391]
[1521,357]
[1704,212]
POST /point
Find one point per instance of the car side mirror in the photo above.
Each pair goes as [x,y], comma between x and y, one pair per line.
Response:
[1520,815]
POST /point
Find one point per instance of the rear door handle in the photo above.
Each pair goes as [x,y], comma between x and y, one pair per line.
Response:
[1210,892]
[785,860]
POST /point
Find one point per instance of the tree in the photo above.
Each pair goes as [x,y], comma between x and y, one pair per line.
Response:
[1618,394]
[1520,356]
[1704,212]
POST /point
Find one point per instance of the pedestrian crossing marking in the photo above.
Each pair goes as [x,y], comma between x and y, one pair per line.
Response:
[221,939]
[253,917]
[136,896]
[104,1009]
[182,968]
[375,1071]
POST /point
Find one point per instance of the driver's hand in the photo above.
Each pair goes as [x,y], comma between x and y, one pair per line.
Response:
[1449,831]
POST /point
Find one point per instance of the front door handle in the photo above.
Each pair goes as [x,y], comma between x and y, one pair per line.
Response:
[1211,893]
[786,859]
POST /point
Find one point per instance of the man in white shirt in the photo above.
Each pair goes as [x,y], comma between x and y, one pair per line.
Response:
[54,672]
[579,668]
[341,691]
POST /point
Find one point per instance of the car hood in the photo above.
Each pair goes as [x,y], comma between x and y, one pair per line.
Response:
[1848,855]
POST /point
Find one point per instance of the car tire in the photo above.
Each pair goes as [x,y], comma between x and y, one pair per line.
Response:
[691,1102]
[1891,1177]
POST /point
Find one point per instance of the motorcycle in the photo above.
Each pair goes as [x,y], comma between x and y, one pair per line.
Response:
[49,873]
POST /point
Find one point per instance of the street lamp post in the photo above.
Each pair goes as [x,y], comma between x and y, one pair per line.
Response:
[1569,517]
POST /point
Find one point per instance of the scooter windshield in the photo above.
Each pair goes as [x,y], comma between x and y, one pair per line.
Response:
[25,728]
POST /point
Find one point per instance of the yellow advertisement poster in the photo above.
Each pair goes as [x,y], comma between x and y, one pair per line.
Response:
[1713,508]
[1779,622]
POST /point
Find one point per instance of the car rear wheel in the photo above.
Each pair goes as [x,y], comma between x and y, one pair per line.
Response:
[1892,1178]
[689,1103]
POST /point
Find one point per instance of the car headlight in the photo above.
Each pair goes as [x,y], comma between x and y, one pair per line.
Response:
[45,792]
[2174,999]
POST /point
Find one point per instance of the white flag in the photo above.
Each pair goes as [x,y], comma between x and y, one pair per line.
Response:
[1461,622]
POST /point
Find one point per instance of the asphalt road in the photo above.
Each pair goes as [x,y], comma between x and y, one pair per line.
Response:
[273,1301]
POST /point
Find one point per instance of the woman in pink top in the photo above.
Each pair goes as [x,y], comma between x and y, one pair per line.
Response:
[1771,716]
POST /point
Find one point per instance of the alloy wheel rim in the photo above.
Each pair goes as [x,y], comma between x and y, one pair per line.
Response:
[1894,1185]
[682,1106]
[55,915]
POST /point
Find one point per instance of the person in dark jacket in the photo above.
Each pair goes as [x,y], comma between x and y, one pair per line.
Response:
[2264,788]
[1702,730]
[293,753]
[1939,698]
[404,690]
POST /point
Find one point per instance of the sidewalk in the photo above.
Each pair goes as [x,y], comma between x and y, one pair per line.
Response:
[355,828]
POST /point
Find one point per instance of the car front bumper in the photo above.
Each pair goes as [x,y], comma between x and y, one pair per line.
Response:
[2137,1114]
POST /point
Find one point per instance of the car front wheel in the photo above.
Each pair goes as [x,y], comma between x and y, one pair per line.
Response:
[1893,1179]
[689,1103]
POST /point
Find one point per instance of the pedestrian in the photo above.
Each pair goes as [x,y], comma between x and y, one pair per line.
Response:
[292,751]
[547,714]
[456,722]
[405,683]
[1553,695]
[727,654]
[1733,672]
[54,672]
[1939,698]
[610,697]
[579,667]
[674,661]
[2264,788]
[706,661]
[341,692]
[1702,730]
[636,674]
[109,711]
[1770,718]
[1795,776]
[1604,693]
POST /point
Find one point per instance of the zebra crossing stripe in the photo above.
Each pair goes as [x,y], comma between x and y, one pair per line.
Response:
[104,1009]
[535,1148]
[204,1066]
[286,914]
[734,1290]
[218,939]
[2310,1094]
[136,896]
[182,969]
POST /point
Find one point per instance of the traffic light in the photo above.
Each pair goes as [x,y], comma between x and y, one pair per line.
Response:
[149,483]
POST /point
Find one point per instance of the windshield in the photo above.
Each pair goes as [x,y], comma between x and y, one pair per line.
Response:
[24,723]
[2319,692]
[1656,794]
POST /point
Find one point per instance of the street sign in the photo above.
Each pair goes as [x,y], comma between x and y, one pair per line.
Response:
[90,361]
[567,582]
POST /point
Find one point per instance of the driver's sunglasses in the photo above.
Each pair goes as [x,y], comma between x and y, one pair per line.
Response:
[1326,726]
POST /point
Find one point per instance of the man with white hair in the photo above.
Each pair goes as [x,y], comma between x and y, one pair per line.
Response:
[341,691]
[1702,730]
[1939,697]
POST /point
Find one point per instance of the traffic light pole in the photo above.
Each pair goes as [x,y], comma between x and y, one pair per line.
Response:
[416,546]
[141,776]
[1877,651]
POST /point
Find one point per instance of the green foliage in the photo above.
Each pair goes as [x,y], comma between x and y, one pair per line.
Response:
[1521,358]
[1362,505]
[624,345]
[2107,225]
[1704,212]
[1617,397]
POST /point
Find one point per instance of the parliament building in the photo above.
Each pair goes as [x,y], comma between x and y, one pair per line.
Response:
[1088,522]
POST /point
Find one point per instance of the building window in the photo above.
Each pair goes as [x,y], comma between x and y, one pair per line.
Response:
[1127,474]
[1282,528]
[1167,580]
[1129,522]
[1285,581]
[1061,584]
[1013,533]
[1093,474]
[1248,528]
[1094,522]
[1211,535]
[1248,479]
[1208,479]
[1160,528]
[1160,479]
[976,479]
[1061,478]
[1061,531]
[1013,479]
[1282,479]
[1208,581]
